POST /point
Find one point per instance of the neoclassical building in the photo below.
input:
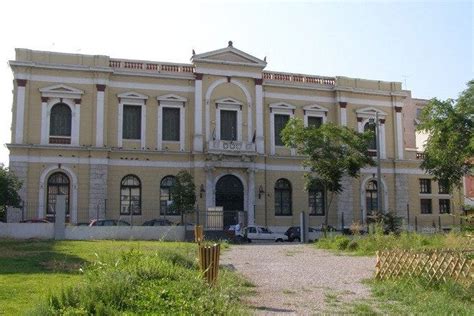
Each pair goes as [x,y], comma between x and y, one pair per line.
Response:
[111,134]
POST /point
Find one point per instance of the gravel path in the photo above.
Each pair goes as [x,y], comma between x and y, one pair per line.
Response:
[299,279]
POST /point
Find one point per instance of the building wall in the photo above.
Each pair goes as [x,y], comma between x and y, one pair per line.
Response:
[97,168]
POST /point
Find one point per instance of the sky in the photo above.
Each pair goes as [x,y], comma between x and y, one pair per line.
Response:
[426,45]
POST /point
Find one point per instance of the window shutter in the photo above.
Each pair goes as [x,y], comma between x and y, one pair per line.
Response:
[132,122]
[228,125]
[170,124]
[280,123]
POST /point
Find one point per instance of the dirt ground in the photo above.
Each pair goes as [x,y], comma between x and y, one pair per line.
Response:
[299,279]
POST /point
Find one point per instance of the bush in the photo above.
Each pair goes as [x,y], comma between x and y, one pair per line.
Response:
[166,282]
[353,245]
[369,244]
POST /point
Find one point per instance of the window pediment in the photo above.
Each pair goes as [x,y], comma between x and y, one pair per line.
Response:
[370,112]
[61,91]
[228,101]
[282,107]
[315,108]
[171,98]
[132,97]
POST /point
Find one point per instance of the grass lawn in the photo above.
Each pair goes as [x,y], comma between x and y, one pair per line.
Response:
[78,276]
[405,297]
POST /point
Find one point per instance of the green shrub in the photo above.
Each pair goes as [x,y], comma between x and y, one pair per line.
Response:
[166,282]
[342,242]
[369,244]
[352,245]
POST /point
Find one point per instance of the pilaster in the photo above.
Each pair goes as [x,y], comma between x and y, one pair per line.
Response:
[99,127]
[198,137]
[259,138]
[20,110]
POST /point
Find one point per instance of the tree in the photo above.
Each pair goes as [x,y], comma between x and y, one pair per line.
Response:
[183,193]
[449,149]
[330,152]
[9,186]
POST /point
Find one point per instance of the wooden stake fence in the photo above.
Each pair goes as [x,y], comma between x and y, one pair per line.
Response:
[434,265]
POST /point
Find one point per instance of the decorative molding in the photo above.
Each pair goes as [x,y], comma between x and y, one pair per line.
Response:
[248,60]
[343,105]
[100,87]
[132,95]
[231,73]
[369,112]
[61,91]
[258,82]
[198,76]
[21,82]
[398,109]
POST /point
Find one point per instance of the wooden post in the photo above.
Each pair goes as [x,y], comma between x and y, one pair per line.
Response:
[209,262]
[198,234]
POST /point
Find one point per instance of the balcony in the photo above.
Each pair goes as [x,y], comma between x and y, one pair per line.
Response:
[420,155]
[227,146]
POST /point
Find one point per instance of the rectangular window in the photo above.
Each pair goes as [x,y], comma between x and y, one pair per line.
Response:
[316,202]
[444,206]
[443,188]
[132,122]
[228,125]
[171,124]
[280,123]
[315,121]
[425,186]
[425,206]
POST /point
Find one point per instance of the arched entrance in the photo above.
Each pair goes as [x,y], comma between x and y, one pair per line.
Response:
[230,195]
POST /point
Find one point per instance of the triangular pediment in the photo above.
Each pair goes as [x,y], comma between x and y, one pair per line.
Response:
[171,97]
[370,112]
[229,55]
[315,108]
[282,105]
[132,95]
[228,100]
[60,90]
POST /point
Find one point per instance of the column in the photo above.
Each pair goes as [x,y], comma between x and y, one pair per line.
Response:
[259,138]
[20,110]
[360,127]
[398,120]
[44,121]
[343,113]
[99,124]
[383,153]
[77,121]
[198,137]
[251,196]
[209,187]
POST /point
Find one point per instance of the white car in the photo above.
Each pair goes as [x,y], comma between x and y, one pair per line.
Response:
[252,233]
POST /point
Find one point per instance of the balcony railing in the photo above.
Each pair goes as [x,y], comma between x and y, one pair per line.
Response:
[420,155]
[230,146]
[296,78]
[150,66]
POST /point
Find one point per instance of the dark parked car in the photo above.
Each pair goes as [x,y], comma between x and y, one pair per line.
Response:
[294,233]
[108,222]
[158,222]
[36,220]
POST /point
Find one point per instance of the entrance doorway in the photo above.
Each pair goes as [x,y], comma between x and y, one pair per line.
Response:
[230,195]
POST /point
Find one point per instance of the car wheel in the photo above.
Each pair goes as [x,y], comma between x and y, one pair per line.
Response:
[249,240]
[297,239]
[279,240]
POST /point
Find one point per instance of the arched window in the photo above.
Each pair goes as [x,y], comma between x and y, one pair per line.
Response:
[373,141]
[58,184]
[130,196]
[282,197]
[166,199]
[316,200]
[371,196]
[60,124]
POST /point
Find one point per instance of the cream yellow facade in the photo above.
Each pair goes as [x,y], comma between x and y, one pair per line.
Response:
[95,156]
